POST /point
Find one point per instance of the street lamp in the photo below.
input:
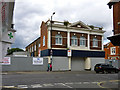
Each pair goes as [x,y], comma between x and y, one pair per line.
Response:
[51,38]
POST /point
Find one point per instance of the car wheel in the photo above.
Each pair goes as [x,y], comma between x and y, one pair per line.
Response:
[97,72]
[103,72]
[116,71]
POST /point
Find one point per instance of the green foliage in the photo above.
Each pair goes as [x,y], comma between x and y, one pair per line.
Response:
[10,51]
[91,26]
[66,23]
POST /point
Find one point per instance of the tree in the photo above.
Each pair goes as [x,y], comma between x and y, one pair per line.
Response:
[10,51]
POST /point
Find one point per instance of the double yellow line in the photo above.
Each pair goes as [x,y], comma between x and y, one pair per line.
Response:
[103,82]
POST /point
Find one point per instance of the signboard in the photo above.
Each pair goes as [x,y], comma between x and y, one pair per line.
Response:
[69,53]
[6,61]
[37,61]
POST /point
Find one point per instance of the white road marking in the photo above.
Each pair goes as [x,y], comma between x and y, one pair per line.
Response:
[68,83]
[36,85]
[86,82]
[94,82]
[78,83]
[22,86]
[8,86]
[63,85]
[3,73]
[48,85]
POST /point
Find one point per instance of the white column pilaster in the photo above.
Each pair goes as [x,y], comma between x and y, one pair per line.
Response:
[49,39]
[88,41]
[68,39]
[87,63]
[102,43]
[69,63]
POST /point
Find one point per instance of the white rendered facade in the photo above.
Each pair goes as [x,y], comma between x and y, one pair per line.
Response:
[7,33]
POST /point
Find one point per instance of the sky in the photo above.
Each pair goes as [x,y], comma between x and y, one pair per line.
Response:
[28,15]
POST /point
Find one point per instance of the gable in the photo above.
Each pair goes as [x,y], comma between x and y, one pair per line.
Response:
[79,24]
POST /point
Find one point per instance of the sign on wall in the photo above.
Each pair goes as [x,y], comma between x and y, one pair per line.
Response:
[6,61]
[69,53]
[37,61]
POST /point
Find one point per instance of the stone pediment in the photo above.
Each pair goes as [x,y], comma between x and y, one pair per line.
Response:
[79,24]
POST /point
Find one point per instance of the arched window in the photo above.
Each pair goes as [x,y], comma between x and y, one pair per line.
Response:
[58,39]
[74,41]
[82,41]
[95,42]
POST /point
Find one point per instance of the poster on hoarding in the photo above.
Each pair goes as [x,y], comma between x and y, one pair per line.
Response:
[37,61]
[6,61]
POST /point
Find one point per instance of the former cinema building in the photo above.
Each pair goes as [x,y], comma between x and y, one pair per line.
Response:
[71,46]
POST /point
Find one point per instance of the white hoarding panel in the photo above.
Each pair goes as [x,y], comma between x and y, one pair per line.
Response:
[6,61]
[37,61]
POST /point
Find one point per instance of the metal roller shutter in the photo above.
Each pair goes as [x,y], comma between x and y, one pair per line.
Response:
[78,64]
[60,64]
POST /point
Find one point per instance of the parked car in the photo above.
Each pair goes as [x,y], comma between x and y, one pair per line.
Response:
[105,68]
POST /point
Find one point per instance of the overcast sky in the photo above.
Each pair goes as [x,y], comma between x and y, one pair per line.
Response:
[28,15]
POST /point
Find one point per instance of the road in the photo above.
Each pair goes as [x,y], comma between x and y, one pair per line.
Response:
[83,79]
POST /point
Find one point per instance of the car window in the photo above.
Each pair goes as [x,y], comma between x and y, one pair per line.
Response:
[110,66]
[105,65]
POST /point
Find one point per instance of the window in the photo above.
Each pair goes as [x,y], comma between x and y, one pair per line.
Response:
[43,40]
[39,44]
[74,41]
[113,50]
[35,47]
[58,39]
[95,42]
[32,48]
[82,41]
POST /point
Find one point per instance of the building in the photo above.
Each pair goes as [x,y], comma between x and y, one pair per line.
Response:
[75,46]
[116,22]
[7,32]
[33,48]
[112,54]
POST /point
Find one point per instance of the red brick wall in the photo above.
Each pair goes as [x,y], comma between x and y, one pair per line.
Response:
[78,36]
[99,42]
[116,17]
[108,51]
[64,39]
[44,32]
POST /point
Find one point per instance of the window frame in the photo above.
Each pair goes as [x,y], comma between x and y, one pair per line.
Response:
[113,50]
[95,42]
[82,41]
[74,41]
[58,39]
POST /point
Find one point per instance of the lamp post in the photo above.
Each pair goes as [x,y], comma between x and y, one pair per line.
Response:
[51,39]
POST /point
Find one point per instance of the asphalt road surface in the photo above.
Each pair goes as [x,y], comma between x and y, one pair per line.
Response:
[82,79]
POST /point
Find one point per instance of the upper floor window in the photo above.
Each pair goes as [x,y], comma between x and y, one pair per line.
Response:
[95,42]
[74,41]
[58,39]
[32,48]
[82,41]
[113,50]
[35,47]
[43,40]
[39,44]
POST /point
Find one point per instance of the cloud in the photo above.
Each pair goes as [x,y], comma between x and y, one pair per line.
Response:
[29,14]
